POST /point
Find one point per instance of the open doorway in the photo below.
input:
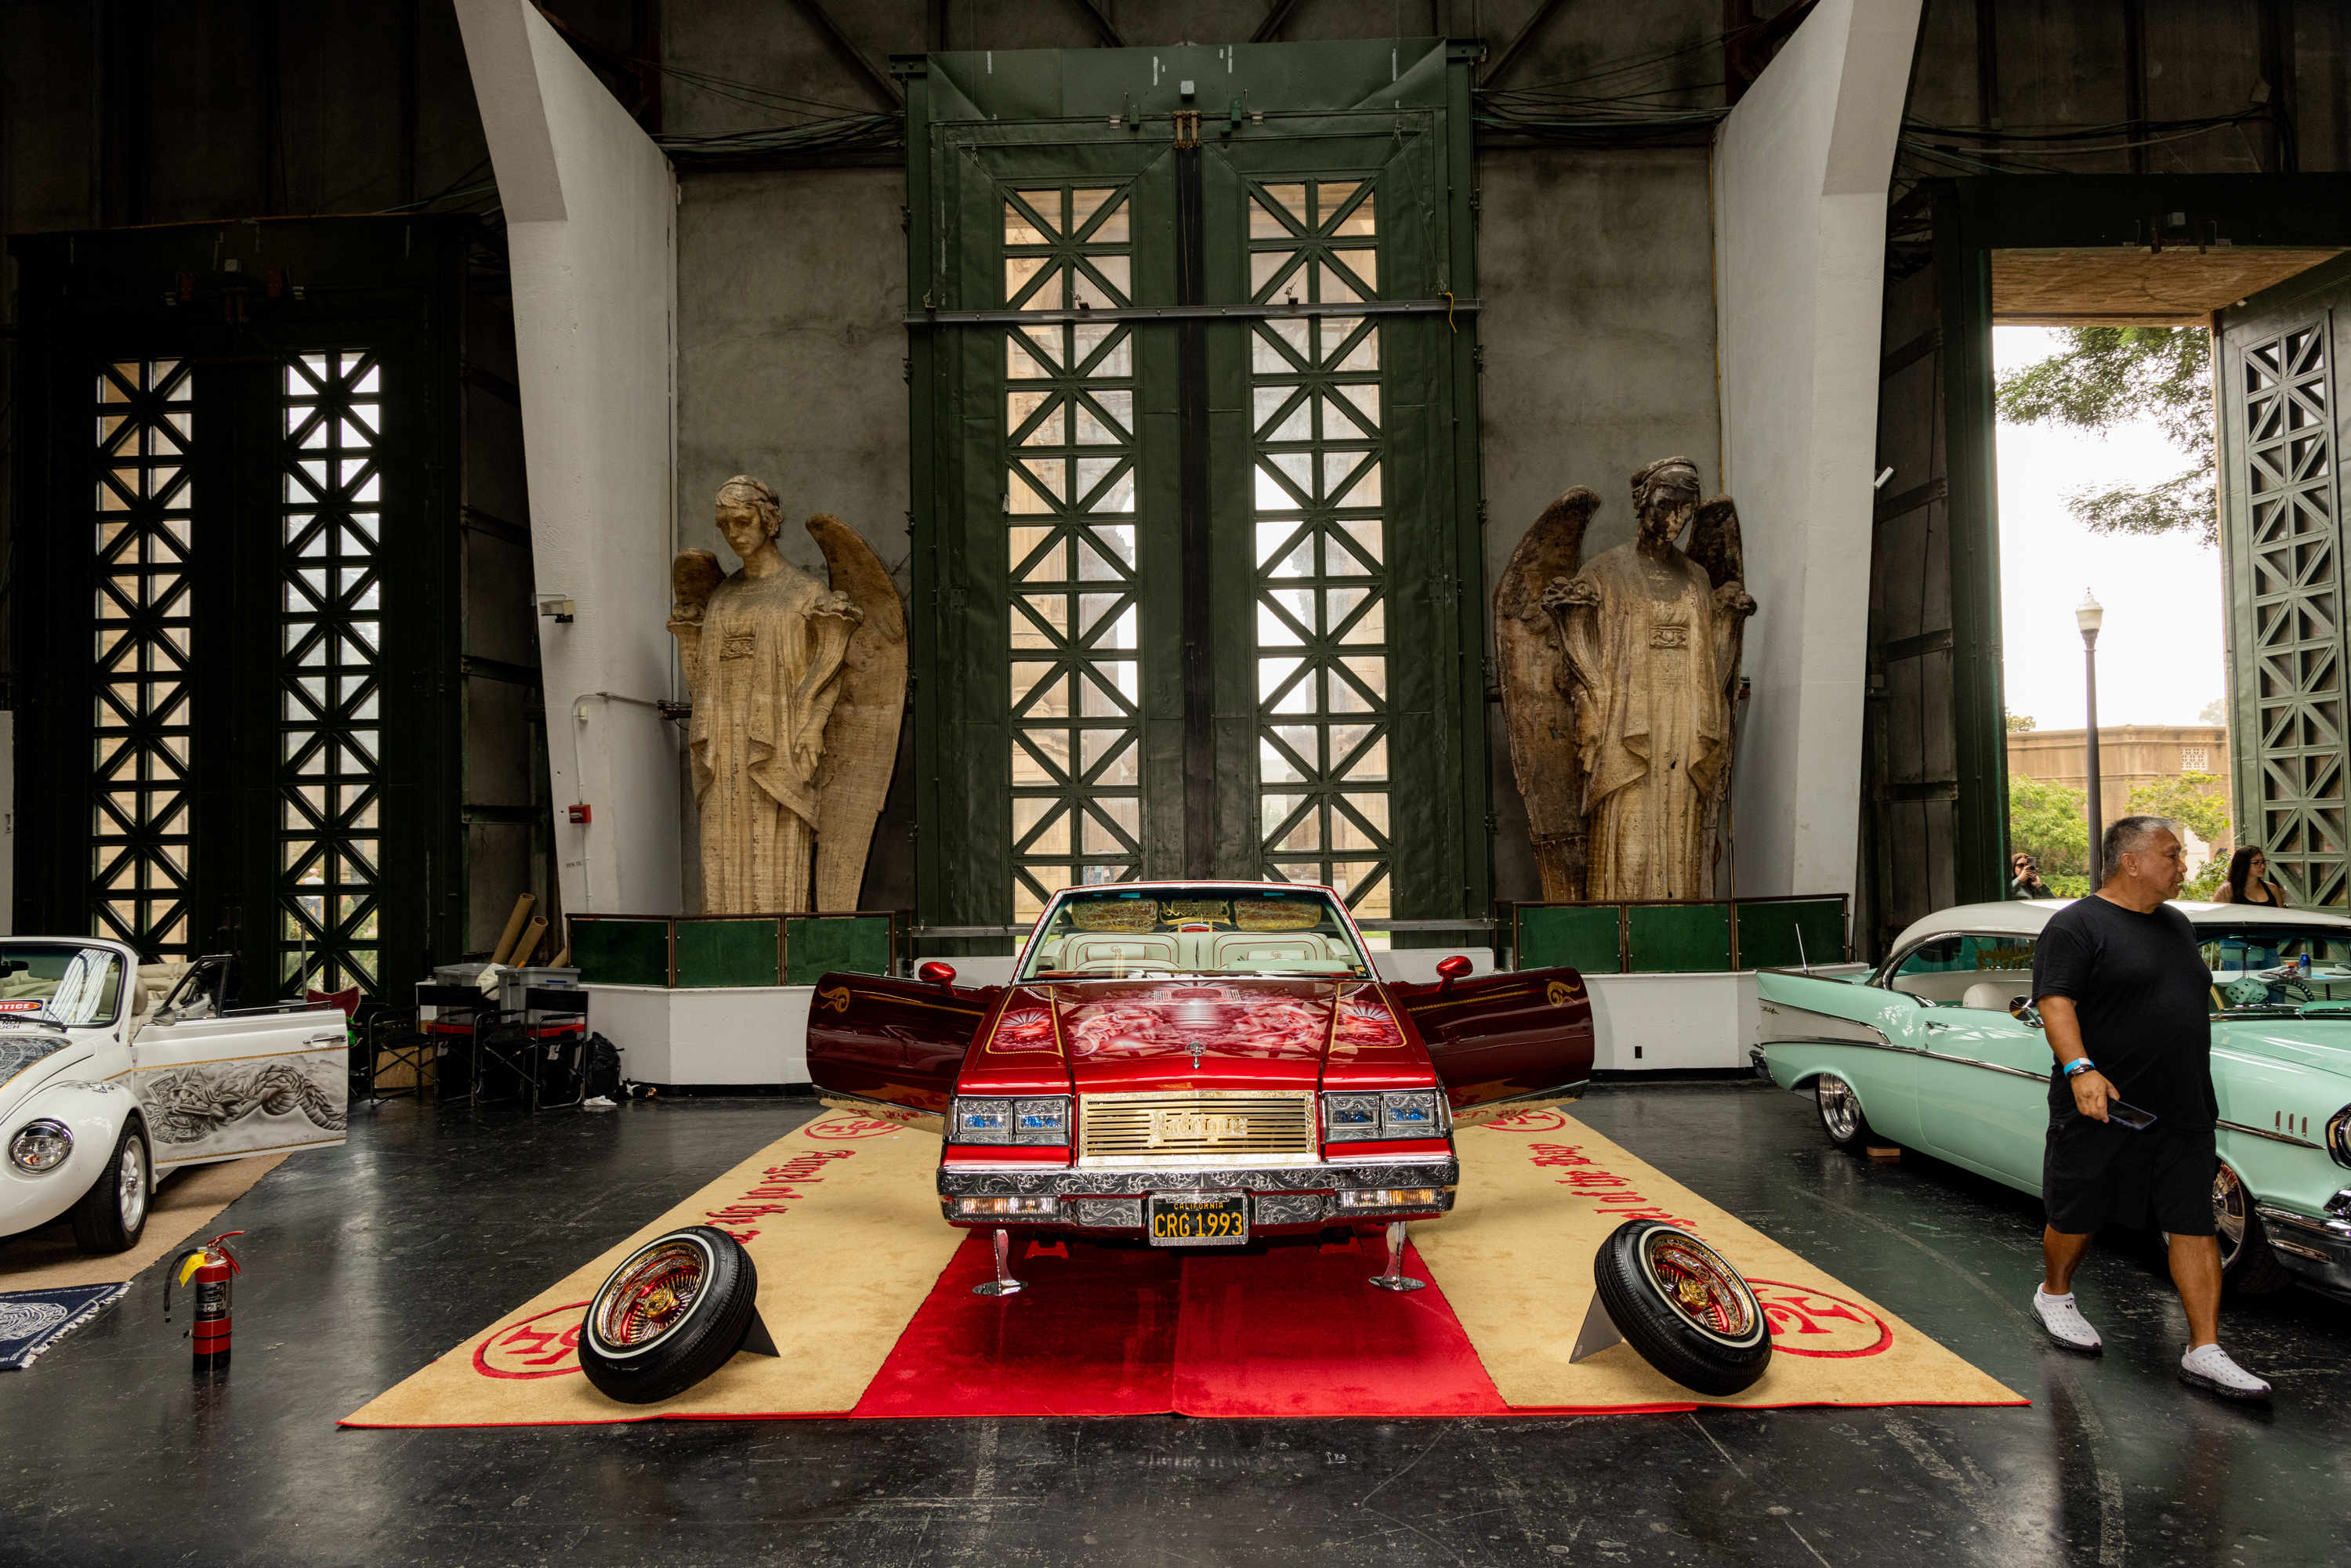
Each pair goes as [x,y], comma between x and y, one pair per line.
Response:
[1967,257]
[2106,445]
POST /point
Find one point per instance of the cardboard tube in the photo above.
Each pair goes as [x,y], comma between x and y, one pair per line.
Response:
[520,957]
[562,960]
[514,927]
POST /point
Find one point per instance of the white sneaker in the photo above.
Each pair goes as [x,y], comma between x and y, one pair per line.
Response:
[2209,1366]
[599,1104]
[2064,1321]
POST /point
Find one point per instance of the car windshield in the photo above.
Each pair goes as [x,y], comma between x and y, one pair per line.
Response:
[73,984]
[1212,929]
[2260,969]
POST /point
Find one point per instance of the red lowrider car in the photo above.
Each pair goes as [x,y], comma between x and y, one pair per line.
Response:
[1196,1064]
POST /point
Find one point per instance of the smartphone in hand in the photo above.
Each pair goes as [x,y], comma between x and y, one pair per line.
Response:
[2130,1116]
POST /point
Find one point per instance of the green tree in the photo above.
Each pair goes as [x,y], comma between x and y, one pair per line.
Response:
[2051,823]
[2114,375]
[2191,798]
[2017,723]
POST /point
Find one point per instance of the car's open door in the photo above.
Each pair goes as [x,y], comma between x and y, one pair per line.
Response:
[891,1048]
[1504,1043]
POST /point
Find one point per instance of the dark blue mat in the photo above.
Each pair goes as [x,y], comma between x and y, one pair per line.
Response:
[33,1320]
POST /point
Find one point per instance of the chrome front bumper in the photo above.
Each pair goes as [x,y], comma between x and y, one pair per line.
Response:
[1110,1198]
[2316,1246]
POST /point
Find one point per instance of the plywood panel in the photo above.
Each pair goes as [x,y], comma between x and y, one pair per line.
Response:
[2126,285]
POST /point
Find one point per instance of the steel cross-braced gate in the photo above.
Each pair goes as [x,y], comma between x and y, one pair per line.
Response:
[1197,574]
[274,664]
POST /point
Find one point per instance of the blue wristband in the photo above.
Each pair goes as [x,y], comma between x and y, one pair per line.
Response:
[2079,1064]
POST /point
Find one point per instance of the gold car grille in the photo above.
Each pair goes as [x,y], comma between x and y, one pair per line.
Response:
[1211,1127]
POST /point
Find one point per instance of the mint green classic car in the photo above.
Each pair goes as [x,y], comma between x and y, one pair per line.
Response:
[1940,1049]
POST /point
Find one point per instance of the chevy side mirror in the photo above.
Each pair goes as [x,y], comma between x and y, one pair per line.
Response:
[2021,1010]
[1451,969]
[935,973]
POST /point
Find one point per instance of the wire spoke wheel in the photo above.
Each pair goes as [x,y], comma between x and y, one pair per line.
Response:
[675,1311]
[1682,1306]
[1698,1283]
[650,1294]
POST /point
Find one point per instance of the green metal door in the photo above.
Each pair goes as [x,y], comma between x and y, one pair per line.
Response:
[2278,364]
[1194,457]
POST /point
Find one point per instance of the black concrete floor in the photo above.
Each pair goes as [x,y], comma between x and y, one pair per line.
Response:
[368,1261]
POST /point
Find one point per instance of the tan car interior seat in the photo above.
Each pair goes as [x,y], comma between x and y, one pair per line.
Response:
[1112,952]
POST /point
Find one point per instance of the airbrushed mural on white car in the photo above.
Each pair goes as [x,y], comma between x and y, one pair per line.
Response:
[1939,1049]
[112,1074]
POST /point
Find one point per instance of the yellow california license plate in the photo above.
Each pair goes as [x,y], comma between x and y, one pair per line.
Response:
[1198,1219]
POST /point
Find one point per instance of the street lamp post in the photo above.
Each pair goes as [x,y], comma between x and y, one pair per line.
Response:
[2088,616]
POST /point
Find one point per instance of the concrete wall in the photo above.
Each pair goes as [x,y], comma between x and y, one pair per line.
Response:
[1800,182]
[592,214]
[791,351]
[1597,268]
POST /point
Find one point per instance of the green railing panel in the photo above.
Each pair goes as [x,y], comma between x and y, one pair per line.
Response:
[727,953]
[1678,938]
[1581,938]
[622,952]
[811,948]
[1769,933]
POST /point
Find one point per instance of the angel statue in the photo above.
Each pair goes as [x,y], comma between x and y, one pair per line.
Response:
[797,689]
[1618,680]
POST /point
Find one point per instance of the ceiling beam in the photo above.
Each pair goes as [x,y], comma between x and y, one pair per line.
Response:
[1111,36]
[1275,15]
[873,76]
[1515,48]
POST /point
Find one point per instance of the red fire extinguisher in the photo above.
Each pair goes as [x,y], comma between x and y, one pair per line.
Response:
[211,1266]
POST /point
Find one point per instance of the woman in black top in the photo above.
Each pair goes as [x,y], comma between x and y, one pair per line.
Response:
[2249,881]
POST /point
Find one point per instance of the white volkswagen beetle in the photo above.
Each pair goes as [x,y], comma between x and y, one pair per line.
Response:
[112,1076]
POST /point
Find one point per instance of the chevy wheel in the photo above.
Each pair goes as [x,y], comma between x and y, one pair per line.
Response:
[1841,1116]
[2248,1264]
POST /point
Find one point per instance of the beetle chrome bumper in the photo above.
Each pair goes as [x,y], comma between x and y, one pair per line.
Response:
[2316,1248]
[1111,1198]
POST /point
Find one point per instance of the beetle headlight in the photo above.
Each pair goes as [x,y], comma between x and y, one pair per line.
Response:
[2338,1135]
[40,1146]
[989,1120]
[1396,1114]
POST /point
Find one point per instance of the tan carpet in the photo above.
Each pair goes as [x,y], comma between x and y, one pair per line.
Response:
[842,1216]
[1538,1194]
[183,1204]
[842,1219]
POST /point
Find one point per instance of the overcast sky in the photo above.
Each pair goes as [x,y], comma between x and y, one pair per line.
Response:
[2160,651]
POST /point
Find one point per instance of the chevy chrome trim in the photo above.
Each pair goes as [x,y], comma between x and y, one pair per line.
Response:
[2275,1137]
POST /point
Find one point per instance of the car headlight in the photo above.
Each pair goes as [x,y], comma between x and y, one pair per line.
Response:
[40,1146]
[1347,1118]
[989,1120]
[1406,1113]
[2338,1135]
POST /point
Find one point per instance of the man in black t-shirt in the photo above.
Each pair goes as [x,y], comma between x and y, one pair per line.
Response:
[2123,991]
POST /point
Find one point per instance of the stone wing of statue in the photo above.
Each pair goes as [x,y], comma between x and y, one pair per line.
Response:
[1714,541]
[860,738]
[1538,704]
[1715,544]
[693,577]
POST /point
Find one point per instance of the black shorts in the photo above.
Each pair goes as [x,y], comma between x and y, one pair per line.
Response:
[2094,1174]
